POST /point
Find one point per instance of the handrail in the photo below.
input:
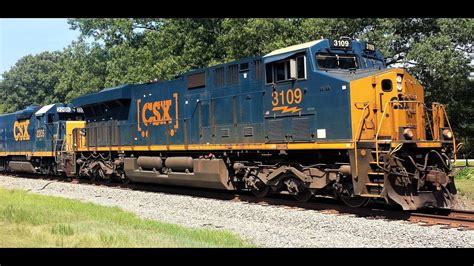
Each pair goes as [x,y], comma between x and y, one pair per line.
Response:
[429,121]
[359,133]
[452,132]
[378,132]
[445,115]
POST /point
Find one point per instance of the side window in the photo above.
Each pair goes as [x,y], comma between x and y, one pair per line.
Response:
[281,70]
[301,66]
[50,118]
[269,73]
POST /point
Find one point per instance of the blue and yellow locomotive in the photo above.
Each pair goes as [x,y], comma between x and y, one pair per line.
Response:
[34,140]
[324,117]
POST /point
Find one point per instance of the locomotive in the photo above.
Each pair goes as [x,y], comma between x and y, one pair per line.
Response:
[325,117]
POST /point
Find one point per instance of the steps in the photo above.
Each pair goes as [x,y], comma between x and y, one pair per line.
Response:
[376,175]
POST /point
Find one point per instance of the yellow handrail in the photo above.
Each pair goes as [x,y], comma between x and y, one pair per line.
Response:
[429,122]
[433,131]
[378,132]
[452,132]
[359,133]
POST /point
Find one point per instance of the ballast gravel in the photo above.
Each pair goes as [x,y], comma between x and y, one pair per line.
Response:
[265,226]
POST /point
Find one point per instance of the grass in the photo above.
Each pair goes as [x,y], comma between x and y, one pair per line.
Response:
[462,162]
[29,220]
[464,181]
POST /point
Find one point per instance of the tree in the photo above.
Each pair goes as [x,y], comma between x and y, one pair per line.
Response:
[129,50]
[84,70]
[30,81]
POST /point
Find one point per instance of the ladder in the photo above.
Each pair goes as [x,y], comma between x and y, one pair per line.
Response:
[58,148]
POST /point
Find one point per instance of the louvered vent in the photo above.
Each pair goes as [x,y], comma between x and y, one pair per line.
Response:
[248,131]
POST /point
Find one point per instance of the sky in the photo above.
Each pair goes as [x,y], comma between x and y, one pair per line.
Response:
[20,37]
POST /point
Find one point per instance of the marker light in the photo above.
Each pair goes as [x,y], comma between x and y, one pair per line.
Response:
[408,133]
[447,134]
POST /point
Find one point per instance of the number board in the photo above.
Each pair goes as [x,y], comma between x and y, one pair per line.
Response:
[370,47]
[341,44]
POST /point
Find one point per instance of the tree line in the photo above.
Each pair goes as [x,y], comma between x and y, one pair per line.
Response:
[110,52]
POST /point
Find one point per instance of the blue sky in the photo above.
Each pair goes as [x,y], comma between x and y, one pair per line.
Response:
[20,37]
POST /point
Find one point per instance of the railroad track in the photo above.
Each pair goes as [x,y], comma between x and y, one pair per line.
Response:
[460,219]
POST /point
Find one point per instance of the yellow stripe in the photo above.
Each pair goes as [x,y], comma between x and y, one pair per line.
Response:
[207,147]
[431,144]
[28,153]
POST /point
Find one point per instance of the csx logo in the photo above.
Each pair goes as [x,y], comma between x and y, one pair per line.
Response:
[157,113]
[160,110]
[20,130]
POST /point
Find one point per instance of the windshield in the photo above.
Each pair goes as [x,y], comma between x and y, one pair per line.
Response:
[71,116]
[334,61]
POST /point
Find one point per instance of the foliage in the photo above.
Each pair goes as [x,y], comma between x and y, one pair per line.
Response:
[466,173]
[31,81]
[464,181]
[85,70]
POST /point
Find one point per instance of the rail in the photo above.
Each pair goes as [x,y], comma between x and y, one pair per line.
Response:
[378,133]
[359,133]
[451,129]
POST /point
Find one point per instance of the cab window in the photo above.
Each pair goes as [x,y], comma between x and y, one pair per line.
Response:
[281,70]
[336,61]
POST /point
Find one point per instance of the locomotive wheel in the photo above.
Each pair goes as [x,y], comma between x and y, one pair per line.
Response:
[94,176]
[54,170]
[46,170]
[347,196]
[261,190]
[125,180]
[304,195]
[354,202]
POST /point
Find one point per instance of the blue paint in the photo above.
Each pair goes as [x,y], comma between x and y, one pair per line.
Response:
[237,113]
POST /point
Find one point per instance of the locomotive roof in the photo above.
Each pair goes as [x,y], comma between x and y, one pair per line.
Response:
[125,91]
[293,48]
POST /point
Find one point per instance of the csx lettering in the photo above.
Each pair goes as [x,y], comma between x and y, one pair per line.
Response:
[157,113]
[20,130]
[160,111]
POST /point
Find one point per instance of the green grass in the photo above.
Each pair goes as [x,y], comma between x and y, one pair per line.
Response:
[462,162]
[29,220]
[464,181]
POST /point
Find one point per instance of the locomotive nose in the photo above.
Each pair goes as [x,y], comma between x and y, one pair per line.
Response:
[392,102]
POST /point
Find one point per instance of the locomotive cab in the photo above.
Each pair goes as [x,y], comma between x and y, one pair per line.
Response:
[399,149]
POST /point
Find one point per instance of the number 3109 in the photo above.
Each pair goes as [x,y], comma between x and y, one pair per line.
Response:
[288,97]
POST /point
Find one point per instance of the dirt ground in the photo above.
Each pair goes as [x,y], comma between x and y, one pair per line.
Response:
[464,203]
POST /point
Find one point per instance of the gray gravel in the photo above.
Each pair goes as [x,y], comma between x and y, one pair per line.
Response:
[266,226]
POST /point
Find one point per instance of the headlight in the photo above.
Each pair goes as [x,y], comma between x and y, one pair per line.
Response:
[447,134]
[408,133]
[399,79]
